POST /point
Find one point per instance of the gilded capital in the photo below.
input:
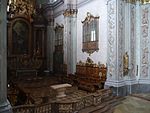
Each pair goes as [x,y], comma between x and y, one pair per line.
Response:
[145,1]
[70,12]
[141,1]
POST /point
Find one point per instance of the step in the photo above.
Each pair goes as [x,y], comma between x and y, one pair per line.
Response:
[91,109]
[106,109]
[115,101]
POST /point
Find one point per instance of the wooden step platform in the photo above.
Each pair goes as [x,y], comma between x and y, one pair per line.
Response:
[105,107]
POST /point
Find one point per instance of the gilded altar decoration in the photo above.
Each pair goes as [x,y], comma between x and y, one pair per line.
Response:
[125,63]
[89,62]
[20,8]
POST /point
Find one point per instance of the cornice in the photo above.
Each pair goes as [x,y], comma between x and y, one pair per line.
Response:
[84,2]
[79,4]
[48,6]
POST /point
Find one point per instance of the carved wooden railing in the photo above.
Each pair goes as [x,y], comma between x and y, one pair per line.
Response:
[66,106]
[43,108]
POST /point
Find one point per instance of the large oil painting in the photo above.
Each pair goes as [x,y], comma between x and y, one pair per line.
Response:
[20,38]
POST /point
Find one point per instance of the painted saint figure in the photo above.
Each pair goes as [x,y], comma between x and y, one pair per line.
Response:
[20,37]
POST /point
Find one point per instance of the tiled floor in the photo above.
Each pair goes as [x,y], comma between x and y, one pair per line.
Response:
[138,103]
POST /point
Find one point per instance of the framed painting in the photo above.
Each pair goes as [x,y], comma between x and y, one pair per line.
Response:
[19,37]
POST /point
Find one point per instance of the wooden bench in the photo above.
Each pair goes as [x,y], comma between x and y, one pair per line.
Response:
[60,89]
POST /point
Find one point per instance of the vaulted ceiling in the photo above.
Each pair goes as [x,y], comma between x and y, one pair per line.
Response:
[50,2]
[55,3]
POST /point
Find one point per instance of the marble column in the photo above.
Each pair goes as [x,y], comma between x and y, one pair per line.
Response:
[70,35]
[50,44]
[5,106]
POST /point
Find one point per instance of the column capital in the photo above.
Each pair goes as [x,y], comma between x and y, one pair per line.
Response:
[70,12]
[70,8]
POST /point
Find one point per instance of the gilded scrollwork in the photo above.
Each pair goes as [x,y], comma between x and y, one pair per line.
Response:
[20,7]
[141,1]
[145,1]
[88,62]
[70,12]
[89,18]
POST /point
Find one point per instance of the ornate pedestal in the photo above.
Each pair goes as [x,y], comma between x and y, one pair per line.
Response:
[60,89]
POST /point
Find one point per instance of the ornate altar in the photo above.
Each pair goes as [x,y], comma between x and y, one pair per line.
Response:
[26,42]
[90,76]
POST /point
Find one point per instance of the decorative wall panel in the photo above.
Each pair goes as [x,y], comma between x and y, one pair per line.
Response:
[116,29]
[121,36]
[132,39]
[145,33]
[111,39]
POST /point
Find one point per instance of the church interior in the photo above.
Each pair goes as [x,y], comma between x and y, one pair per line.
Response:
[74,56]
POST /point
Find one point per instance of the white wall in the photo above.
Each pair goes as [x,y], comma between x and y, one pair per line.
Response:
[96,8]
[59,19]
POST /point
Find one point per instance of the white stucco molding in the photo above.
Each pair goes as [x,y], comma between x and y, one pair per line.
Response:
[115,83]
[79,4]
[144,81]
[121,83]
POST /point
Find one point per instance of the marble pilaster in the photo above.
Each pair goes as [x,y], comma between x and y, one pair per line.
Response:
[70,35]
[5,106]
[50,45]
[144,77]
[116,44]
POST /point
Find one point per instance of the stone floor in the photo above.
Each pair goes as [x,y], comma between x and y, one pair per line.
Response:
[137,103]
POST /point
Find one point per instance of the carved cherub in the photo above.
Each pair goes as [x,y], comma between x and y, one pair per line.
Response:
[89,61]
